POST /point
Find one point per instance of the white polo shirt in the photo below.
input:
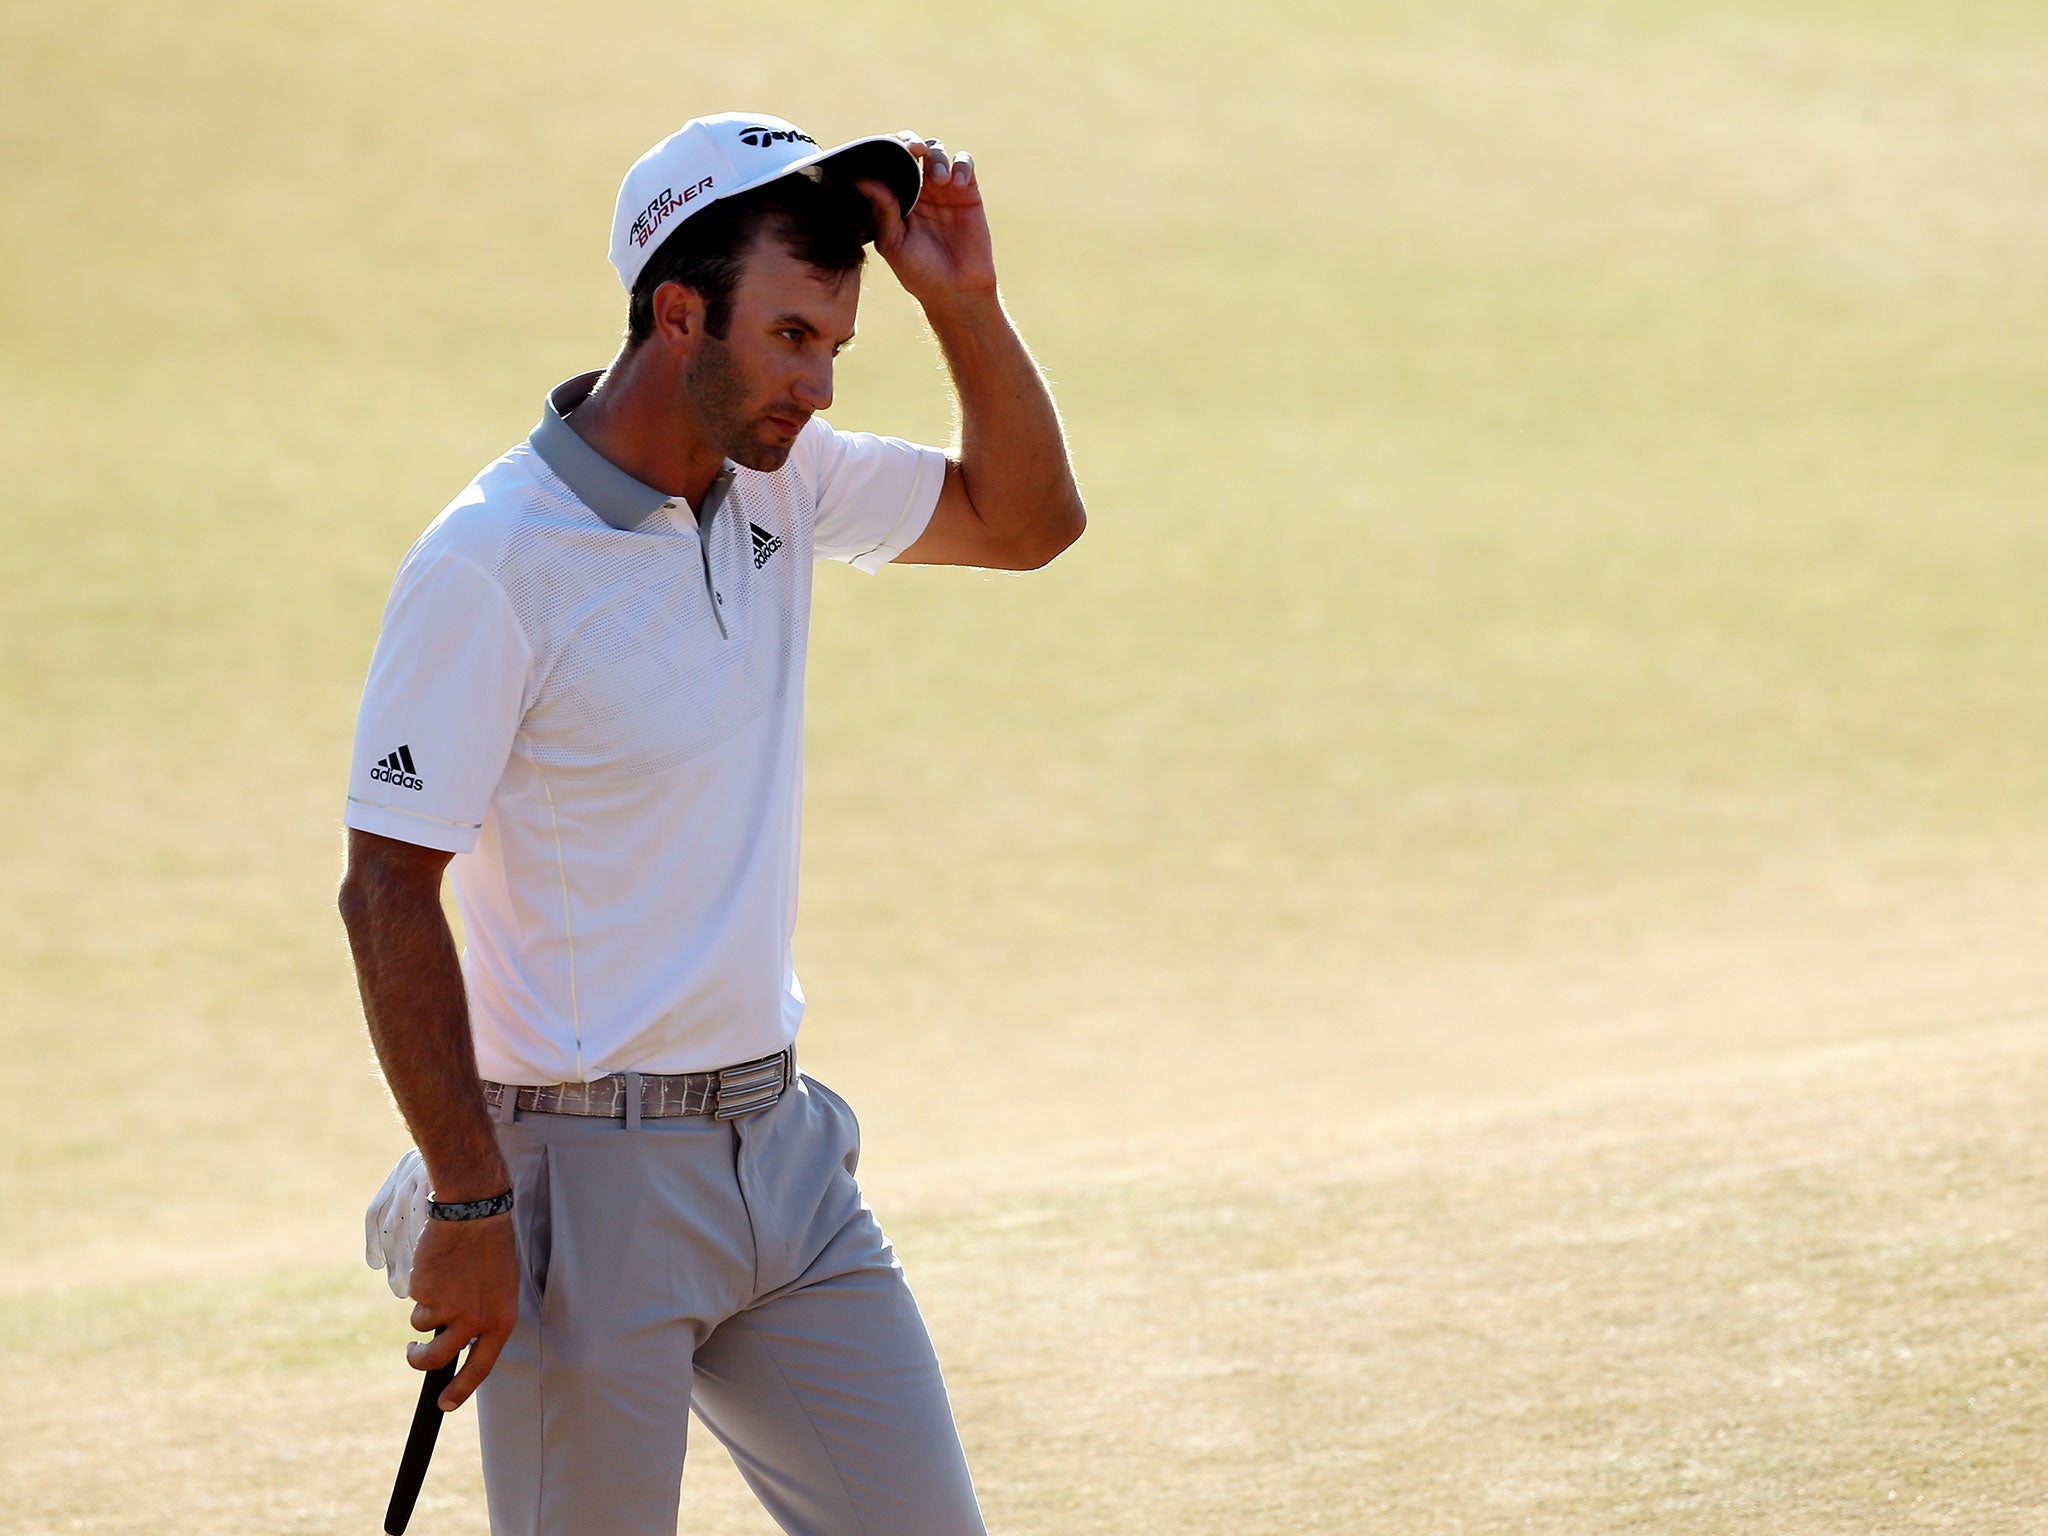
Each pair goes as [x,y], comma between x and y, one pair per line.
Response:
[598,708]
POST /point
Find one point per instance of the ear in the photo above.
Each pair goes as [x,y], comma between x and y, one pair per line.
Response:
[678,317]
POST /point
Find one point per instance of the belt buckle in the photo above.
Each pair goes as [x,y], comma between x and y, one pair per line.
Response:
[744,1089]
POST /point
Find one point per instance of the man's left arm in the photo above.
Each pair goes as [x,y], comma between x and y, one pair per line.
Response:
[1009,501]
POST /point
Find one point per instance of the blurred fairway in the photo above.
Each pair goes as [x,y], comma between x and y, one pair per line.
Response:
[1470,960]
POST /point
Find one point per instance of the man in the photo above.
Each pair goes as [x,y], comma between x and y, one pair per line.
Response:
[587,696]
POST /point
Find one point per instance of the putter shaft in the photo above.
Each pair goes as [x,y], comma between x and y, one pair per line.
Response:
[419,1449]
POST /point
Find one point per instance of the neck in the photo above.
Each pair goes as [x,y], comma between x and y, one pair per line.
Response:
[640,419]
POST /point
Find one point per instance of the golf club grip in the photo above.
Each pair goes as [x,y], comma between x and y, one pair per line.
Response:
[419,1449]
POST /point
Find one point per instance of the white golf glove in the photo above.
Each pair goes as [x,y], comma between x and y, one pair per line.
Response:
[396,1218]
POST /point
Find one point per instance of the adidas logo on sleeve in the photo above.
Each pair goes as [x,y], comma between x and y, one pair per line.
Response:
[398,769]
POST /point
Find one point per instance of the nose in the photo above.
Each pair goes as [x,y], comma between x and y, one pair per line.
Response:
[813,388]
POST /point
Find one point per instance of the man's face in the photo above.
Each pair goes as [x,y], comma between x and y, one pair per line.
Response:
[759,385]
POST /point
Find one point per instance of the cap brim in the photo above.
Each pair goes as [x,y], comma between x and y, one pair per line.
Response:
[884,157]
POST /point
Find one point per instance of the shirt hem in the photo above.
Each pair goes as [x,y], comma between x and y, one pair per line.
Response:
[666,1063]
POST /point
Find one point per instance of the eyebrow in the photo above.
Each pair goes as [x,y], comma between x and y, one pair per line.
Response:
[785,322]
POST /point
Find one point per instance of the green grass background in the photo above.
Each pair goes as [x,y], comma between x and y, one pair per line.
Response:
[1470,960]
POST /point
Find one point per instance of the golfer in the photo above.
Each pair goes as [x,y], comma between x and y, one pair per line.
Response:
[586,703]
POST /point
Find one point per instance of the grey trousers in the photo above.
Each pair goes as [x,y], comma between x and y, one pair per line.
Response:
[734,1268]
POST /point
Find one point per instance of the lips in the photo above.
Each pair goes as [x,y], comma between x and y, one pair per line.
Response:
[789,426]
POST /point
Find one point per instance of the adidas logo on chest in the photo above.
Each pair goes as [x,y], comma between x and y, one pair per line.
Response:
[765,544]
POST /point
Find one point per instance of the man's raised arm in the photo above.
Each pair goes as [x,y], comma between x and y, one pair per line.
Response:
[1009,501]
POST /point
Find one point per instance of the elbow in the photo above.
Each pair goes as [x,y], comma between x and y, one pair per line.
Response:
[383,877]
[353,901]
[386,877]
[1061,530]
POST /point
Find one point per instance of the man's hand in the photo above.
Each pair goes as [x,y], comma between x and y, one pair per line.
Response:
[942,251]
[465,1282]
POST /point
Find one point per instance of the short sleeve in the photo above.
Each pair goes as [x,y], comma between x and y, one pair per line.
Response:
[874,494]
[446,691]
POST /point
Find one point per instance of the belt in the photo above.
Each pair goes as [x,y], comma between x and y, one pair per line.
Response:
[725,1093]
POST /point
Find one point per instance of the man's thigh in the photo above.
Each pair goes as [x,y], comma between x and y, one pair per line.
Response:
[830,1400]
[632,1245]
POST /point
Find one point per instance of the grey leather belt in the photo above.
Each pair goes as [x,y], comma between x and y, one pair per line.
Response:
[724,1094]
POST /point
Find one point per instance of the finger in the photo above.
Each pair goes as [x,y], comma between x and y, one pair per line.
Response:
[963,169]
[481,1358]
[398,1252]
[430,1316]
[936,161]
[888,212]
[427,1354]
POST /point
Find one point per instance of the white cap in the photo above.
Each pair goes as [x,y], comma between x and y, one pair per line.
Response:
[730,152]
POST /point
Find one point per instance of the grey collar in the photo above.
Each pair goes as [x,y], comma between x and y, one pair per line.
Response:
[614,495]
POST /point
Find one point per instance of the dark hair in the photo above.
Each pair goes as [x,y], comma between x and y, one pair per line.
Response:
[821,220]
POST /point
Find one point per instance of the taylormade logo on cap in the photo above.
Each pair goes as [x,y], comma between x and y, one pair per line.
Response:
[761,136]
[727,153]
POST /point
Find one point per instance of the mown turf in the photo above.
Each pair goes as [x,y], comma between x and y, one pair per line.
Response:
[1802,1298]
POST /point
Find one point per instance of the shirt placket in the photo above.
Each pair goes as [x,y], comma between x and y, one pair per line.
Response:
[707,520]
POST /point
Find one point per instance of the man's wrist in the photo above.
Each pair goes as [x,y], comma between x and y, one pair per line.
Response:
[473,1174]
[469,1210]
[962,307]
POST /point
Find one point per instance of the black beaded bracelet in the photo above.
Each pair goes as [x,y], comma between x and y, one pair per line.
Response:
[469,1210]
